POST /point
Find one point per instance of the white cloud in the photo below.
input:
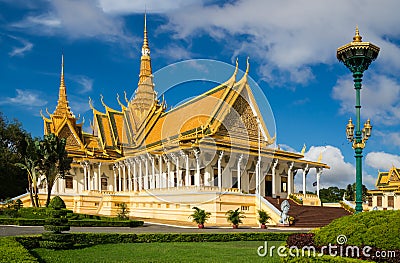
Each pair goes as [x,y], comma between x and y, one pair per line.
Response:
[380,98]
[288,37]
[24,98]
[382,161]
[20,51]
[85,82]
[340,174]
[175,52]
[138,6]
[388,138]
[75,19]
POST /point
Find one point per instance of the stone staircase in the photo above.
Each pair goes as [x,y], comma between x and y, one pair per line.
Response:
[309,216]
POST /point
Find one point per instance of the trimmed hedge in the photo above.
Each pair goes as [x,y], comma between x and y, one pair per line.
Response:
[102,223]
[31,242]
[106,238]
[21,222]
[12,251]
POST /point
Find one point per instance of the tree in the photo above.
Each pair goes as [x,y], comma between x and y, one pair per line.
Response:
[331,195]
[350,192]
[31,166]
[12,149]
[54,161]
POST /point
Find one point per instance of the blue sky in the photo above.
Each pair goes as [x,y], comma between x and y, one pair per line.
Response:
[292,49]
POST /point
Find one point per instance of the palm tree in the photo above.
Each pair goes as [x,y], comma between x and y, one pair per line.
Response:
[200,216]
[235,217]
[54,160]
[31,165]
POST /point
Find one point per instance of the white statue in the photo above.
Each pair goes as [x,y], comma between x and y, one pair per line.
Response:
[285,206]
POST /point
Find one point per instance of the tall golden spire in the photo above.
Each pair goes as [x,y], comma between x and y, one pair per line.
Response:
[62,105]
[145,96]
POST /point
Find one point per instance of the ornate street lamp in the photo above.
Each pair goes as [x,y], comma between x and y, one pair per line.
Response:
[357,56]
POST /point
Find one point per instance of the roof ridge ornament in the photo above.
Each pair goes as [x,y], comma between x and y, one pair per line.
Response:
[357,37]
[102,101]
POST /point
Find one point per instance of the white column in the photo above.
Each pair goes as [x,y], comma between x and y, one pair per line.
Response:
[219,170]
[159,179]
[140,175]
[165,174]
[99,175]
[84,176]
[135,179]
[178,173]
[239,173]
[115,177]
[187,174]
[119,178]
[197,175]
[274,164]
[258,177]
[153,171]
[168,177]
[290,179]
[88,177]
[129,163]
[146,173]
[319,172]
[305,172]
[123,176]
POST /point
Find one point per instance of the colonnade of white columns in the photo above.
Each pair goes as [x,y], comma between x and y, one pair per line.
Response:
[142,173]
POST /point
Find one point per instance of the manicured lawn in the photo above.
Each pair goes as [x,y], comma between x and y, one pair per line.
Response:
[234,251]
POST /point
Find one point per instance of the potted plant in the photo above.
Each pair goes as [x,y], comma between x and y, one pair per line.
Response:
[291,220]
[263,218]
[200,216]
[235,217]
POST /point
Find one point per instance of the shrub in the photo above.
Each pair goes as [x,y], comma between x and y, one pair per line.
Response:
[12,251]
[102,223]
[296,199]
[123,212]
[56,224]
[57,203]
[378,229]
[300,240]
[33,212]
[104,238]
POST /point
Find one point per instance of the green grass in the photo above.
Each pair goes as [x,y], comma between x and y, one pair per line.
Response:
[235,251]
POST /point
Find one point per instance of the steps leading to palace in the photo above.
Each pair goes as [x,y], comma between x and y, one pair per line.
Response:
[310,216]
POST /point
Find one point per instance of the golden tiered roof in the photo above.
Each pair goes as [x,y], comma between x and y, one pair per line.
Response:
[389,180]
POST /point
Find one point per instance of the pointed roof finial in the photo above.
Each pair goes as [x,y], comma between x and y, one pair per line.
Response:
[357,37]
[247,66]
[145,47]
[62,83]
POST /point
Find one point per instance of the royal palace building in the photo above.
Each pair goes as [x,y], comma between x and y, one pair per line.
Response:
[213,151]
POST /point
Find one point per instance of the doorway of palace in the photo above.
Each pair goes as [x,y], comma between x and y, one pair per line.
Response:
[268,185]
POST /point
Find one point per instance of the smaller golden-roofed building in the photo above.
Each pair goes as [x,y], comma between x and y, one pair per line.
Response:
[386,196]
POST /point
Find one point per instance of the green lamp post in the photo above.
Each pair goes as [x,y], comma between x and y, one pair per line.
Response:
[357,56]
